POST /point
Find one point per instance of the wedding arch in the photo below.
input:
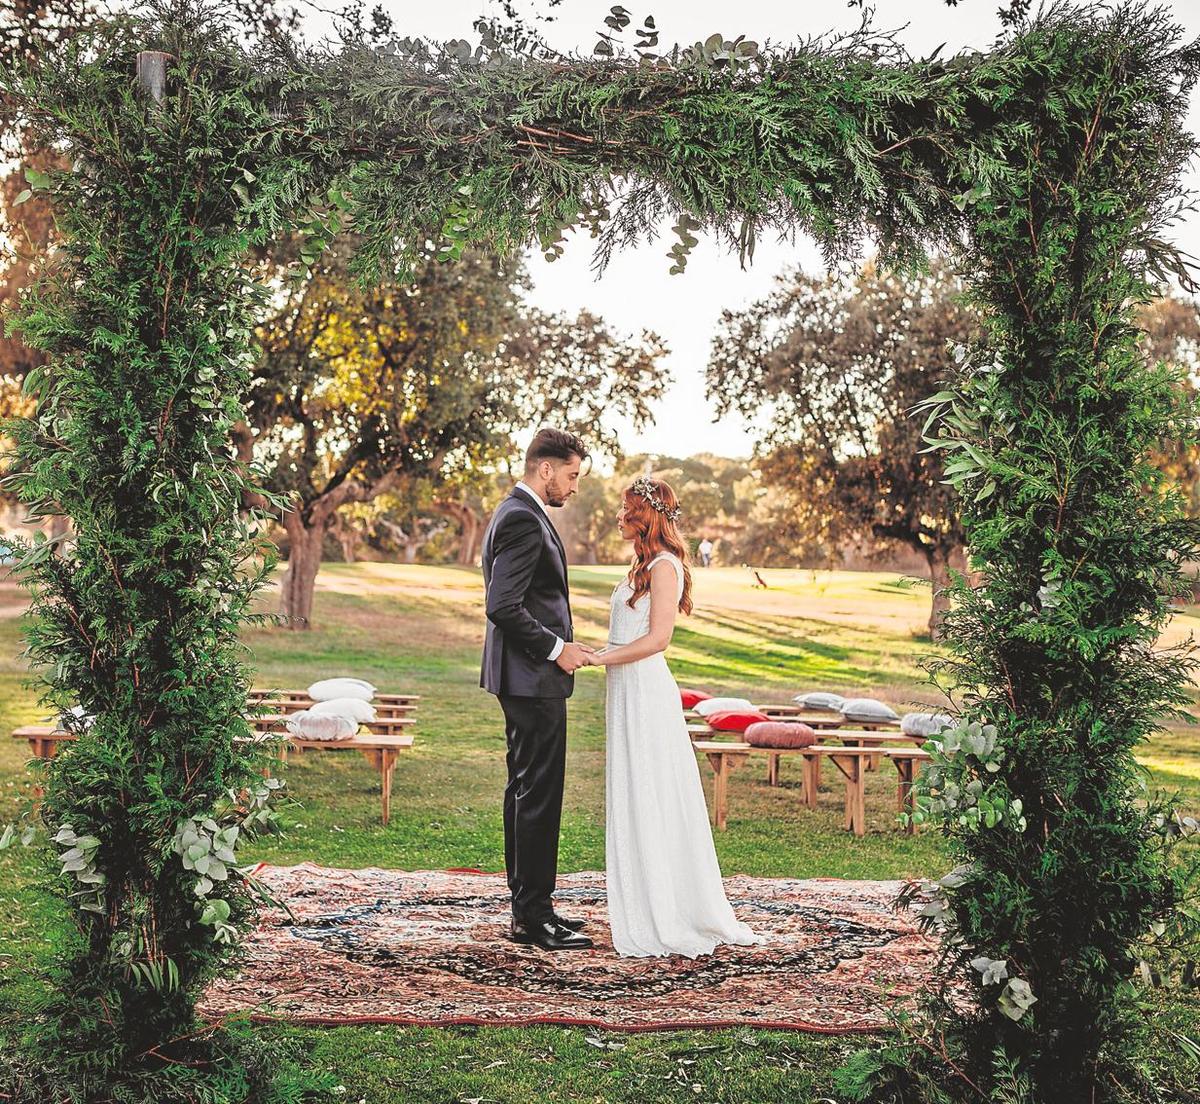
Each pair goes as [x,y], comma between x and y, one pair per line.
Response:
[1046,168]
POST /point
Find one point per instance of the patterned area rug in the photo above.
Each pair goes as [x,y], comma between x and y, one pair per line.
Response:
[386,946]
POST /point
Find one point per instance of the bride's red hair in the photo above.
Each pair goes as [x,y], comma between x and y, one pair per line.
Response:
[654,532]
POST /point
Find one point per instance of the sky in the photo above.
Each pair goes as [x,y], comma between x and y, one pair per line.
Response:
[636,291]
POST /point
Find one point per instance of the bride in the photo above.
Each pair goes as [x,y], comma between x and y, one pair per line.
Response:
[665,894]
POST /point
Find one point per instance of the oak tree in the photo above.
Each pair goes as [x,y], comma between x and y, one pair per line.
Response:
[830,368]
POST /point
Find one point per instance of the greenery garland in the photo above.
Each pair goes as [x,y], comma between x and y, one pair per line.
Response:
[146,315]
[1047,168]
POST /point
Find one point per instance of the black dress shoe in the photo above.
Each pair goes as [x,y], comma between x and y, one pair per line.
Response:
[574,925]
[549,935]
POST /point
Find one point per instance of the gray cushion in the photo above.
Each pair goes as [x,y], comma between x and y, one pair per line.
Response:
[868,711]
[77,719]
[820,699]
[925,724]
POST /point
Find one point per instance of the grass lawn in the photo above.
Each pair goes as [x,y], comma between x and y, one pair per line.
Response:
[414,628]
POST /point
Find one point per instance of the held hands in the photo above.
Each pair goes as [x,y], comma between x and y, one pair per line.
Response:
[573,656]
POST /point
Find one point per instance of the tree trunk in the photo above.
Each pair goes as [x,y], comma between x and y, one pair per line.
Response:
[304,561]
[409,543]
[939,576]
[243,448]
[347,536]
[472,526]
[306,525]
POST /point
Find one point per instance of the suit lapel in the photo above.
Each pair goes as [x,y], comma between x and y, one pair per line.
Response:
[546,524]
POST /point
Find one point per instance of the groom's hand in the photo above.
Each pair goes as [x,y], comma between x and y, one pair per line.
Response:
[572,657]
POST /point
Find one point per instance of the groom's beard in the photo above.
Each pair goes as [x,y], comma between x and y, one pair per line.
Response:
[556,496]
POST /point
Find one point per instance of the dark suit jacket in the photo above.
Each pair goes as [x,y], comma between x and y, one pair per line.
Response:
[528,605]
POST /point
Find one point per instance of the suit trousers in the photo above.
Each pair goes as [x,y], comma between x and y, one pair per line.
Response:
[536,733]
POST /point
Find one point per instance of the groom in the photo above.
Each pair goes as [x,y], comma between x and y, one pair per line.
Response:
[529,663]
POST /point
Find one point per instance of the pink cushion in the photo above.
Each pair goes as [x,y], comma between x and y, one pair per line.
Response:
[780,734]
[690,697]
[735,720]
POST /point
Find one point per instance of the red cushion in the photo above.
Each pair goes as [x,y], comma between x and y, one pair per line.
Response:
[735,720]
[690,697]
[780,734]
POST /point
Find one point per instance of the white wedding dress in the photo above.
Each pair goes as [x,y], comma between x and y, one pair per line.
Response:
[665,894]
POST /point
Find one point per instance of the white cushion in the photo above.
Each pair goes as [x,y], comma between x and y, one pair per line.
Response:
[320,726]
[354,708]
[819,699]
[710,706]
[868,710]
[925,724]
[330,689]
[86,719]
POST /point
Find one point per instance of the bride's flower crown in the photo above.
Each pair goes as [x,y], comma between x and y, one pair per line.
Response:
[643,487]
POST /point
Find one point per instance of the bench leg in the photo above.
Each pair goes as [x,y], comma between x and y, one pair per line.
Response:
[721,793]
[39,752]
[39,749]
[906,769]
[773,768]
[722,765]
[387,766]
[851,767]
[812,779]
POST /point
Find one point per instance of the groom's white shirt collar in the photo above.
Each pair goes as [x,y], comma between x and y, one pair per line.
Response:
[556,651]
[534,495]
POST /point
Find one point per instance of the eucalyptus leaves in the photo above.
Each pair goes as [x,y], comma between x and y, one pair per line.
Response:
[207,847]
[961,784]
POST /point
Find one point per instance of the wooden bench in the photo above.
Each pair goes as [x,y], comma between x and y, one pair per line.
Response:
[851,737]
[292,701]
[380,748]
[855,737]
[726,756]
[381,726]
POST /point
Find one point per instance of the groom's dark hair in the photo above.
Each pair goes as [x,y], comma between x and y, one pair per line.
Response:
[553,444]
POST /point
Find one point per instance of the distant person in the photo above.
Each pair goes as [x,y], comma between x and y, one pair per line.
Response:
[705,548]
[759,581]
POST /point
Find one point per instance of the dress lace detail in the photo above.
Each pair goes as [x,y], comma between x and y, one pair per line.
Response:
[665,894]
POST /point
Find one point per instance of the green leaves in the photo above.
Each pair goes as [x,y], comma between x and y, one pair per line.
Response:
[38,182]
[957,790]
[688,241]
[146,323]
[207,847]
[1016,999]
